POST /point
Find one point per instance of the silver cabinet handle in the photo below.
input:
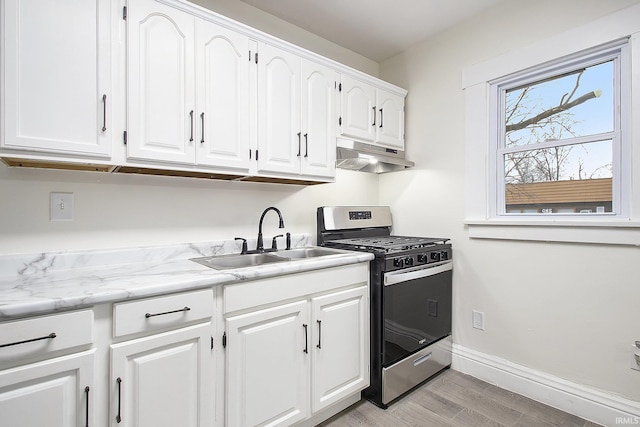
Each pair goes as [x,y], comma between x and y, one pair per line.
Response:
[306,143]
[299,133]
[374,115]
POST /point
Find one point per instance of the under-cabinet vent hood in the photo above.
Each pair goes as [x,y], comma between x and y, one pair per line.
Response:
[361,157]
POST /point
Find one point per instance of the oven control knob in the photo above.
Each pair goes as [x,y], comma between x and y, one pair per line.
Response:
[435,256]
[408,261]
[423,258]
[398,262]
[444,255]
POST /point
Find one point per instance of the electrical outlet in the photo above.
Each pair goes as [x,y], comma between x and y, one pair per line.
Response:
[635,356]
[61,207]
[478,320]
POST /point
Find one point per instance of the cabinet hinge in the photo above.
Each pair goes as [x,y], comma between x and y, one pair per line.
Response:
[224,340]
[124,13]
[211,343]
[124,137]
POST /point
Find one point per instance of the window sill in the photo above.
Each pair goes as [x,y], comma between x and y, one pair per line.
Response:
[609,232]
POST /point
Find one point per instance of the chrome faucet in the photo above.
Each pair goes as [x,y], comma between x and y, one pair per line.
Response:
[260,245]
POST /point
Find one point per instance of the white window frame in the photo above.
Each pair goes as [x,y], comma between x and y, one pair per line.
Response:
[617,51]
[481,210]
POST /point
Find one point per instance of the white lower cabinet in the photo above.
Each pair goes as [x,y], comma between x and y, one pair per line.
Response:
[164,380]
[53,393]
[340,349]
[288,361]
[46,371]
[268,369]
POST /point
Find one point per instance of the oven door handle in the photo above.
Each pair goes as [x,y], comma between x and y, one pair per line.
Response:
[404,276]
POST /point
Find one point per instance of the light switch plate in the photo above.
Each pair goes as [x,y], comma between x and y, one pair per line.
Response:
[61,206]
[478,319]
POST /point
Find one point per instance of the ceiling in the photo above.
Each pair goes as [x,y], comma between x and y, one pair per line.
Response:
[376,29]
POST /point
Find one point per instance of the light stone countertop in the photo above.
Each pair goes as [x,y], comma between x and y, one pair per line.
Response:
[34,284]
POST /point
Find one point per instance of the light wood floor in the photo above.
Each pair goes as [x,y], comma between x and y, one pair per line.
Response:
[456,399]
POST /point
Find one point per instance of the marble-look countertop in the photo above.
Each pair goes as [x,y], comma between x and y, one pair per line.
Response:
[32,284]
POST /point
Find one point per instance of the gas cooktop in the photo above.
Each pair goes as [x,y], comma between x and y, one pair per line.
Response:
[388,244]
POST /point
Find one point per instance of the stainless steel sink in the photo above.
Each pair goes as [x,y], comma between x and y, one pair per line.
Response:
[228,262]
[309,252]
[231,261]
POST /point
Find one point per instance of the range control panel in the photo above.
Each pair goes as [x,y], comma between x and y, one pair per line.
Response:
[409,260]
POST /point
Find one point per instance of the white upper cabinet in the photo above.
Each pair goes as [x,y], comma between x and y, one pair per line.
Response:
[56,94]
[371,114]
[188,89]
[222,98]
[318,151]
[161,83]
[390,119]
[358,108]
[296,115]
[279,134]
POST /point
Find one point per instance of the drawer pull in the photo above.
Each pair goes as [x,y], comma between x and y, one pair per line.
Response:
[167,312]
[118,417]
[51,336]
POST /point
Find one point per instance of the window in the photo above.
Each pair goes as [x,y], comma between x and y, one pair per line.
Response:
[537,208]
[557,138]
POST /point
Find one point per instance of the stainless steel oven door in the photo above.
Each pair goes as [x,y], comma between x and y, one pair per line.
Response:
[416,310]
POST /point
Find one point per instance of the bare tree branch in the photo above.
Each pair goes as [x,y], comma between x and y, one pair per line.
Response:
[553,111]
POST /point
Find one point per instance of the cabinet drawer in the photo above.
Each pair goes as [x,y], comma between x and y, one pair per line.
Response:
[165,312]
[46,334]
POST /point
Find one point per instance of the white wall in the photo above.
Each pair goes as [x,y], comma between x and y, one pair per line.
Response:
[126,210]
[568,310]
[113,211]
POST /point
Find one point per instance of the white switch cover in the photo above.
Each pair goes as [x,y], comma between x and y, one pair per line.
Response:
[61,207]
[478,319]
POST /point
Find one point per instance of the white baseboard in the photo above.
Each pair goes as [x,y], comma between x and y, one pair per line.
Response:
[585,402]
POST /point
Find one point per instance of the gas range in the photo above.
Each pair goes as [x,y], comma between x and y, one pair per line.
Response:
[410,297]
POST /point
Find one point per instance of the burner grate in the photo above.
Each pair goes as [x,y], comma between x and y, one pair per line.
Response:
[389,243]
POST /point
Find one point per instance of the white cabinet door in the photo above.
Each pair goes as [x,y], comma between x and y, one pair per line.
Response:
[390,121]
[161,83]
[279,134]
[164,380]
[318,120]
[358,109]
[53,393]
[56,94]
[268,366]
[340,364]
[222,79]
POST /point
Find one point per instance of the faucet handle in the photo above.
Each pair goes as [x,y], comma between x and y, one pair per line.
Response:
[288,240]
[274,242]
[244,245]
